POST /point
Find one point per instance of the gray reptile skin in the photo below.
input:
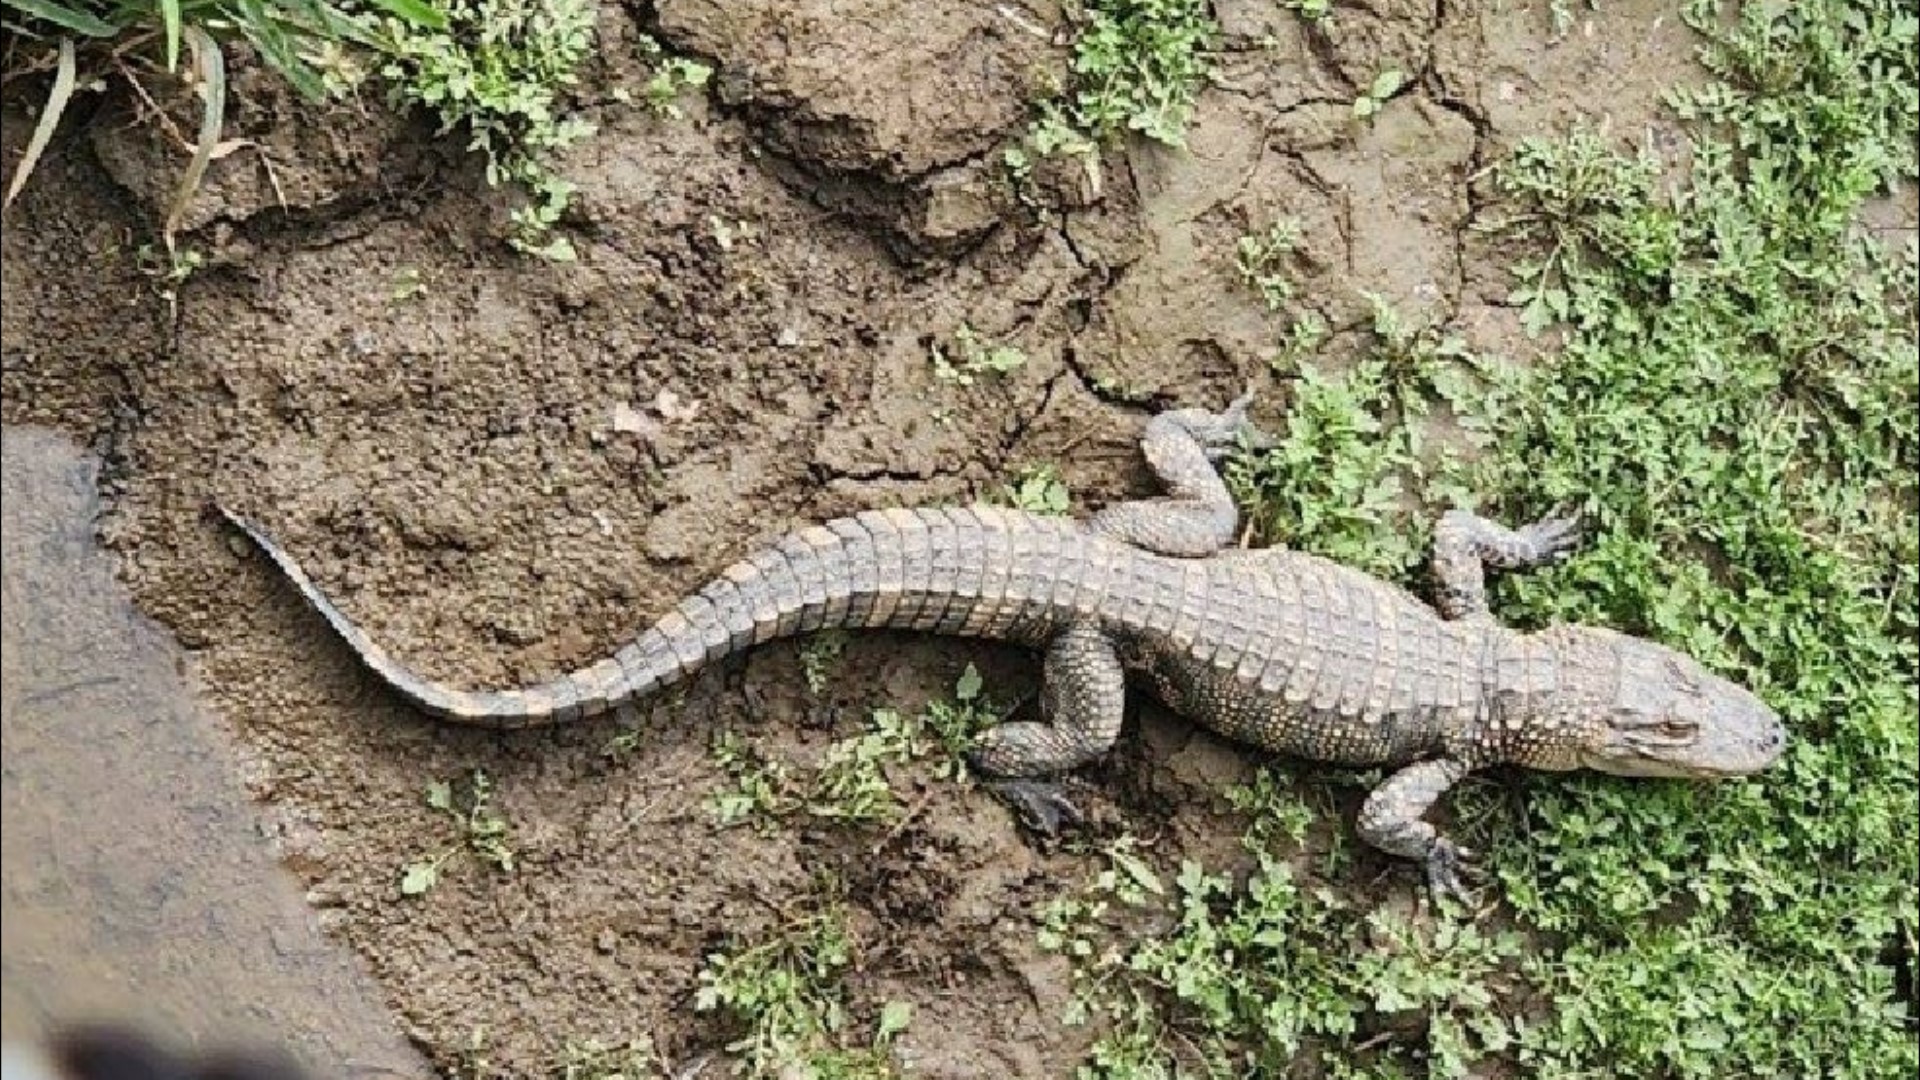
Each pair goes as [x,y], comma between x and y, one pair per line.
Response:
[1274,648]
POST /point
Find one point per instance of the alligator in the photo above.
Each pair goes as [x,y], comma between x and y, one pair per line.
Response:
[1274,648]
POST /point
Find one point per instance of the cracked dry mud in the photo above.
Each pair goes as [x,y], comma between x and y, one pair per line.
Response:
[509,471]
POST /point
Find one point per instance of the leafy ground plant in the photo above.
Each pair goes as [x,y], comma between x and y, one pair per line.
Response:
[970,358]
[785,993]
[1137,67]
[1735,401]
[1250,976]
[483,833]
[1384,86]
[501,70]
[1038,489]
[293,36]
[852,783]
[1261,259]
[498,70]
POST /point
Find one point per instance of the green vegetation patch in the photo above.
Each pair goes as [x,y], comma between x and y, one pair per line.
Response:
[785,994]
[298,38]
[309,42]
[1253,977]
[1732,405]
[498,70]
[482,832]
[1038,489]
[853,781]
[1137,67]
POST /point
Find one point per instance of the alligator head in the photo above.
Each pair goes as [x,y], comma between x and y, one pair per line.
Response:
[1669,716]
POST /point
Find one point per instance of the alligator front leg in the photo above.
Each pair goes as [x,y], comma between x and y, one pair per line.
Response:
[1465,544]
[1392,819]
[1197,516]
[1083,698]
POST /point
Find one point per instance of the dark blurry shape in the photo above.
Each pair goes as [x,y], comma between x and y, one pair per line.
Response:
[120,1052]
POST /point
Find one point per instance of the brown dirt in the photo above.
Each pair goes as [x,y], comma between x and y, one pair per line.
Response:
[462,468]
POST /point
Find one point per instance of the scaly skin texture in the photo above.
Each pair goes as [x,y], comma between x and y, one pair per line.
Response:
[1274,648]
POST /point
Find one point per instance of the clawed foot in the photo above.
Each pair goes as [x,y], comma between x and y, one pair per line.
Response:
[1552,538]
[1229,428]
[1452,870]
[1043,805]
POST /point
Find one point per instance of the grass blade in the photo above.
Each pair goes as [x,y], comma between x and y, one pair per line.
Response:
[80,22]
[279,42]
[49,120]
[417,12]
[170,17]
[212,71]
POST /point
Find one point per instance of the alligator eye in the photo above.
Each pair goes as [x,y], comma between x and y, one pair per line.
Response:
[1678,729]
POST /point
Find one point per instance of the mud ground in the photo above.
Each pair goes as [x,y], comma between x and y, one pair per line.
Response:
[136,886]
[507,471]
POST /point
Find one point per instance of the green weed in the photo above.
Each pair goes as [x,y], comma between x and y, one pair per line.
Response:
[1137,67]
[785,992]
[852,784]
[672,76]
[1261,259]
[1358,448]
[1314,12]
[292,36]
[484,834]
[760,789]
[168,268]
[1053,132]
[819,655]
[1249,977]
[407,285]
[1038,489]
[970,358]
[307,41]
[1384,86]
[498,70]
[1734,400]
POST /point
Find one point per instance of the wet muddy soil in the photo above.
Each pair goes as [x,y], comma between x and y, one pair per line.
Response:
[504,467]
[137,886]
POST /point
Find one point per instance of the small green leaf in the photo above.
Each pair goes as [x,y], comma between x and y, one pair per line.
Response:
[419,877]
[970,684]
[1386,84]
[440,795]
[894,1018]
[1139,872]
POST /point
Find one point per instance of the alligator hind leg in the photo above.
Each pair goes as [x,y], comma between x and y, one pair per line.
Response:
[1082,699]
[1465,544]
[1391,820]
[1197,516]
